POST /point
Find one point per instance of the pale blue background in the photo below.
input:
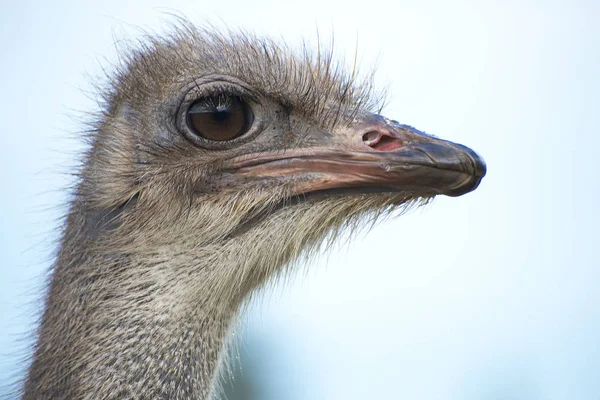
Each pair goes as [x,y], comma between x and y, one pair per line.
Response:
[493,295]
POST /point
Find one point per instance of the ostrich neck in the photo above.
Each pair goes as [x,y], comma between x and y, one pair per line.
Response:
[124,326]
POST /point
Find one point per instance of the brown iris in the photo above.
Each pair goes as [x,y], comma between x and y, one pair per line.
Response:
[220,118]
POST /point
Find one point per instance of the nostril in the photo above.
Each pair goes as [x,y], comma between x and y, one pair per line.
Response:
[380,141]
[371,138]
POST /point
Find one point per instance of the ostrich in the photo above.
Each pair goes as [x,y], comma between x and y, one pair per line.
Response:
[217,160]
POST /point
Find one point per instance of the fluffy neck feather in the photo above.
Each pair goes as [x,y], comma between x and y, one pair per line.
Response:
[141,312]
[116,326]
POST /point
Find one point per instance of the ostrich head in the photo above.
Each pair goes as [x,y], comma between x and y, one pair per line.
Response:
[217,160]
[211,139]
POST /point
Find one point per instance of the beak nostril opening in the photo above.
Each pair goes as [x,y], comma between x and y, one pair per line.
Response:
[380,141]
[370,138]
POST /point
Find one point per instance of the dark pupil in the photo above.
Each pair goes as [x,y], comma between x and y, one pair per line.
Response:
[219,118]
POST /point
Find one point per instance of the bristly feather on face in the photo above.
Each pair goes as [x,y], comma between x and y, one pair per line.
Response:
[307,83]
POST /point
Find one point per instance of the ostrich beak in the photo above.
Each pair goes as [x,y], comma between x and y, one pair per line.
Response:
[374,155]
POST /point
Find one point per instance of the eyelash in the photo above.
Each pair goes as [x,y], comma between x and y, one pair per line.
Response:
[223,101]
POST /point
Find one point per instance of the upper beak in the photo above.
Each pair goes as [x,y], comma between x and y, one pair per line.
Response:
[374,154]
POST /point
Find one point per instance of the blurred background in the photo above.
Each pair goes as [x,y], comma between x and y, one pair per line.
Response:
[493,295]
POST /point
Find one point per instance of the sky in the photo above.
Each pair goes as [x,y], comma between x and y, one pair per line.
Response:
[492,295]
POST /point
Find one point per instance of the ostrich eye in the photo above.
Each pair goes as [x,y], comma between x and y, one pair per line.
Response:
[219,118]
